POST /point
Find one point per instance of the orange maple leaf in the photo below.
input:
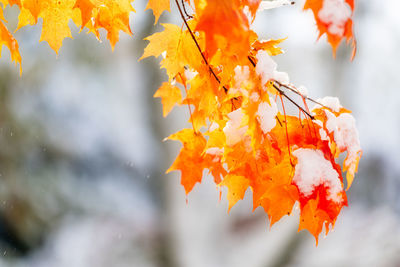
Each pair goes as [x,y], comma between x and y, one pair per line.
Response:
[313,219]
[190,160]
[170,95]
[7,39]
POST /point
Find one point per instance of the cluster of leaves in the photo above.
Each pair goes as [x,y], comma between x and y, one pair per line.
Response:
[111,15]
[224,73]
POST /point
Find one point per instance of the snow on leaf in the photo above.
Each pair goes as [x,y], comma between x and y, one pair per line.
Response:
[334,18]
[266,115]
[267,69]
[313,170]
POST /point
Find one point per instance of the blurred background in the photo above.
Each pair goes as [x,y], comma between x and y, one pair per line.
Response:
[82,160]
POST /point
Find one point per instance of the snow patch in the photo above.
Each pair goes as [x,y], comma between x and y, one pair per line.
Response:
[346,136]
[330,102]
[254,97]
[312,170]
[242,74]
[233,129]
[190,74]
[264,5]
[322,131]
[214,126]
[335,14]
[266,114]
[266,68]
[216,151]
[303,90]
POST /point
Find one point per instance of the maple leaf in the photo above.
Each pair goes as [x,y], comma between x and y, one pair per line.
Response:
[7,39]
[86,8]
[176,46]
[190,160]
[113,16]
[56,15]
[237,186]
[225,26]
[170,95]
[158,7]
[312,218]
[269,45]
[278,201]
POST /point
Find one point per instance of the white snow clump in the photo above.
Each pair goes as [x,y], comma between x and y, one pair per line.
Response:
[266,68]
[312,170]
[234,131]
[266,114]
[335,13]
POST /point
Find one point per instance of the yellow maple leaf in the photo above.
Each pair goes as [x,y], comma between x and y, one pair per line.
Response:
[158,7]
[177,48]
[25,18]
[237,186]
[113,15]
[56,15]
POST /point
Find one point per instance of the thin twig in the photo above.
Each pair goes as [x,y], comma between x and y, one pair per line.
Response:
[298,93]
[184,10]
[293,102]
[287,132]
[283,93]
[188,104]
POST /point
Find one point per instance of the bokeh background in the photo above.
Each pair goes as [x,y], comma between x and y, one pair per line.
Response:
[82,160]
